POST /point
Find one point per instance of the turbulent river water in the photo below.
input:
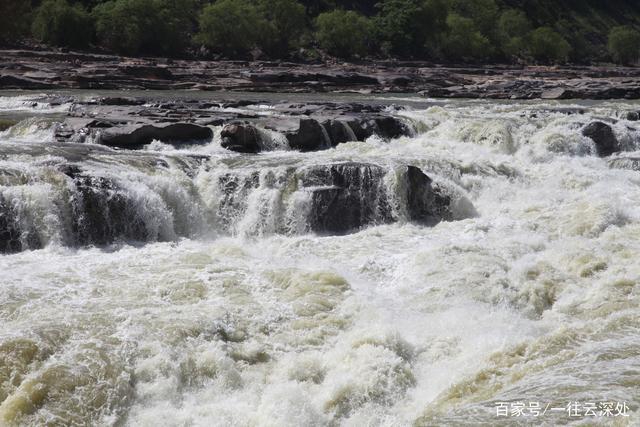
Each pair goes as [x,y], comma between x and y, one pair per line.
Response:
[232,311]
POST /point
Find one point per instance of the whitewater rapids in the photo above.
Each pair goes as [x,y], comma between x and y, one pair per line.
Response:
[532,294]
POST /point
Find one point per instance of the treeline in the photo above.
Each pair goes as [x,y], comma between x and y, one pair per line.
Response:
[526,31]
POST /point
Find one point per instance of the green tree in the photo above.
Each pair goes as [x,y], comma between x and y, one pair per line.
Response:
[14,21]
[624,45]
[343,33]
[464,40]
[513,26]
[405,26]
[231,27]
[286,24]
[484,14]
[145,26]
[547,45]
[58,23]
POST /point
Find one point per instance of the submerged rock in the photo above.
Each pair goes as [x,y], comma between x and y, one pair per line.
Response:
[603,137]
[629,163]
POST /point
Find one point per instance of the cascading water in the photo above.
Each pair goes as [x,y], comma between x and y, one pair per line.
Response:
[492,257]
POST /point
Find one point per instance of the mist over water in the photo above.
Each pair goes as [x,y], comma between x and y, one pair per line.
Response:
[206,298]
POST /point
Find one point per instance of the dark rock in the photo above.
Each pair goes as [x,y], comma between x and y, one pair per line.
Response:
[424,203]
[349,196]
[243,138]
[103,214]
[346,197]
[136,136]
[633,116]
[14,237]
[310,136]
[387,127]
[17,82]
[339,131]
[118,100]
[603,137]
[238,104]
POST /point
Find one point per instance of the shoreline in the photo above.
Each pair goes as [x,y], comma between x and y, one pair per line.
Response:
[55,70]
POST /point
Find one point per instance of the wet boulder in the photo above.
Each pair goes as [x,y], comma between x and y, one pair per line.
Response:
[241,137]
[425,204]
[633,116]
[346,197]
[340,131]
[103,213]
[15,235]
[603,137]
[135,136]
[387,127]
[310,136]
[349,196]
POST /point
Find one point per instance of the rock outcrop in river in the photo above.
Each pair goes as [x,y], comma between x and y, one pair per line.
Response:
[95,196]
[133,122]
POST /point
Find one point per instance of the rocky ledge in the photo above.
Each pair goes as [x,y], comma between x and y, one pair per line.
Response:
[29,69]
[246,126]
[152,197]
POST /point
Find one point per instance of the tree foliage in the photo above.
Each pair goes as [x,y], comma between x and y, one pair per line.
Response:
[450,30]
[14,19]
[624,45]
[464,40]
[59,23]
[513,27]
[546,45]
[343,33]
[231,27]
[145,26]
[286,22]
[405,26]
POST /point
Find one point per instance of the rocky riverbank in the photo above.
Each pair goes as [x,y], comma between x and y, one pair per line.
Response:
[30,69]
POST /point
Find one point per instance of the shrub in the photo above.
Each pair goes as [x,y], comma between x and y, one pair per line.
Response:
[405,26]
[343,33]
[286,24]
[144,26]
[464,41]
[547,45]
[13,19]
[231,27]
[58,23]
[624,45]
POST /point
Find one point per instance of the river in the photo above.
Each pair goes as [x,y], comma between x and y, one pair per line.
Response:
[231,310]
